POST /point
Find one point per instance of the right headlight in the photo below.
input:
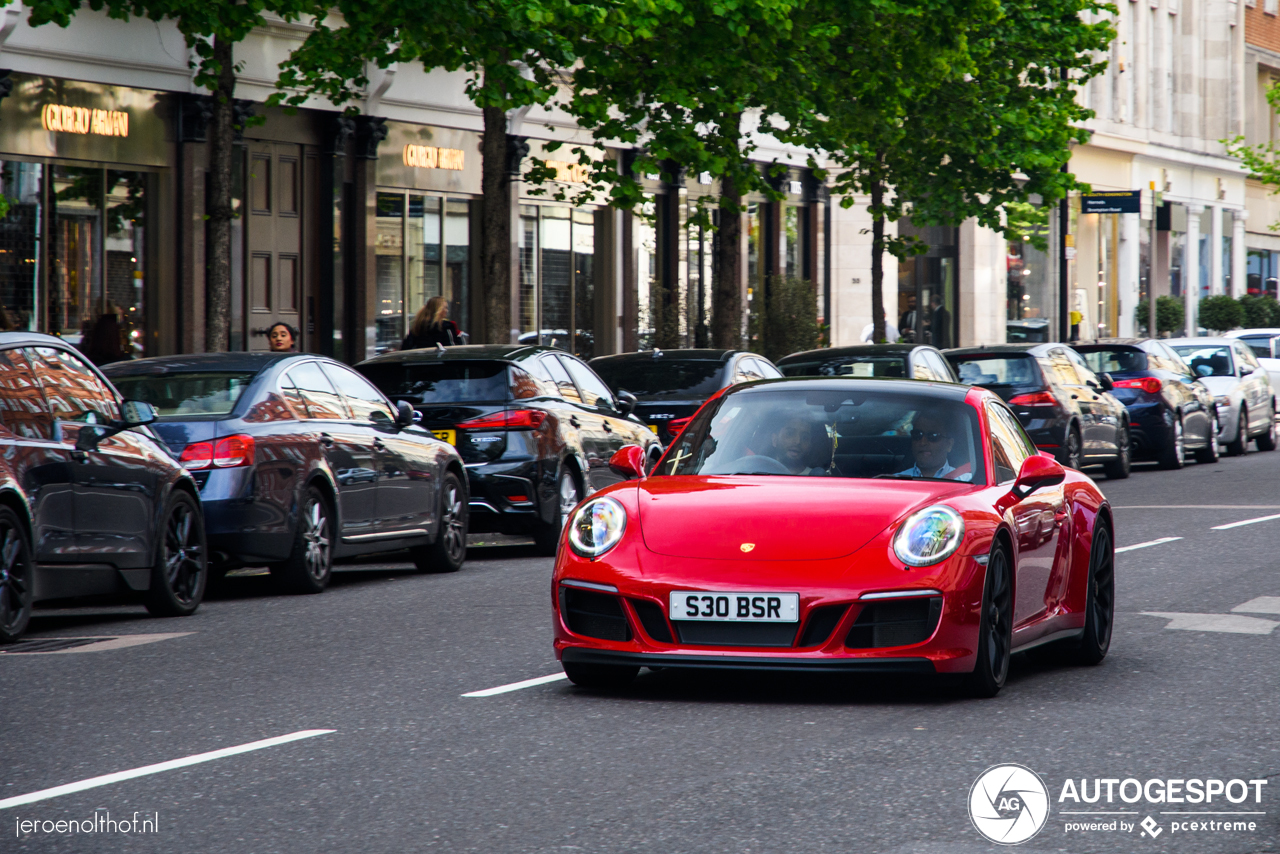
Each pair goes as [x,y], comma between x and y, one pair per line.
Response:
[597,526]
[929,536]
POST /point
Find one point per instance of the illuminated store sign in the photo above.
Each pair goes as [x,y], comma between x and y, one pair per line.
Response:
[570,173]
[59,117]
[431,157]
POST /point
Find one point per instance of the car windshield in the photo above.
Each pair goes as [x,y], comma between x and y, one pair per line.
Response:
[995,370]
[187,395]
[646,377]
[857,365]
[1118,360]
[440,382]
[857,432]
[1206,361]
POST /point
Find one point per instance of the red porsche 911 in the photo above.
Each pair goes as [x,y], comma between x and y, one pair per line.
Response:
[837,525]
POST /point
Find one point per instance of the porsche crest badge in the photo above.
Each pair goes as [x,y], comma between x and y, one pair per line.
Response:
[746,547]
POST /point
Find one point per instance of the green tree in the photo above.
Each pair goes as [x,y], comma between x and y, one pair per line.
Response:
[1219,313]
[212,29]
[1262,160]
[1170,314]
[1260,311]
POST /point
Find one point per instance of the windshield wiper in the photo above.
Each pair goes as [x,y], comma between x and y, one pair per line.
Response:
[896,476]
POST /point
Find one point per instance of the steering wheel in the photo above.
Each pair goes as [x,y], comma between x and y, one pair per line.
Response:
[760,464]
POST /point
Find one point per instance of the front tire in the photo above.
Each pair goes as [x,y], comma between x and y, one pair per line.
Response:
[1118,468]
[1236,447]
[1174,454]
[181,570]
[310,564]
[547,534]
[601,676]
[1267,441]
[15,576]
[995,628]
[449,550]
[1100,602]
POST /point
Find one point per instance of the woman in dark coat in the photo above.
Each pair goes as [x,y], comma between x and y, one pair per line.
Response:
[432,326]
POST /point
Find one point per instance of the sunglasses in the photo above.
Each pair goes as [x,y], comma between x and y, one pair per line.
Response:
[931,436]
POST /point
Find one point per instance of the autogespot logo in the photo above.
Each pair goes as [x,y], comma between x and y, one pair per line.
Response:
[1009,804]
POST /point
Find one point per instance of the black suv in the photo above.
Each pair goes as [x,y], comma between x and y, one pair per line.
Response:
[91,501]
[535,428]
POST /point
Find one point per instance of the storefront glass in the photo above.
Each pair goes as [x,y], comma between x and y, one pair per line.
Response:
[1263,269]
[927,287]
[20,245]
[557,277]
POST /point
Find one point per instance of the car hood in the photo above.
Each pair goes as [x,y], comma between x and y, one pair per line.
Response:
[784,518]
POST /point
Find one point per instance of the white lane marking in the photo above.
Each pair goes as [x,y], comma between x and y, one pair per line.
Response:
[516,686]
[1245,522]
[1231,623]
[1158,542]
[1261,605]
[104,643]
[107,779]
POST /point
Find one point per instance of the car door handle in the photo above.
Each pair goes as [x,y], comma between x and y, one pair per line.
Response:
[377,444]
[573,419]
[1075,397]
[326,440]
[607,428]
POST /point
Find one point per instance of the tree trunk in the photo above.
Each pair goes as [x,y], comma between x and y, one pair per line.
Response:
[217,320]
[726,300]
[877,263]
[495,229]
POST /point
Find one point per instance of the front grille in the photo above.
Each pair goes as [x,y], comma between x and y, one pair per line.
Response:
[716,633]
[594,615]
[653,620]
[822,622]
[895,622]
[48,645]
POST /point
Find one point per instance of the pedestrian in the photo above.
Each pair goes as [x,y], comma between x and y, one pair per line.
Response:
[907,322]
[890,333]
[941,323]
[282,338]
[102,344]
[432,326]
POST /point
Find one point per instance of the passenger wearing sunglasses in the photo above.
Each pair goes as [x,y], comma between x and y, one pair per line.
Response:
[931,442]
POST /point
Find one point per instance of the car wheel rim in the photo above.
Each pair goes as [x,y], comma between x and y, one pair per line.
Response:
[568,497]
[452,528]
[316,537]
[14,585]
[1179,442]
[183,555]
[999,613]
[1073,450]
[1102,575]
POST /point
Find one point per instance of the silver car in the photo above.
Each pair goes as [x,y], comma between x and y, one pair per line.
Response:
[1265,344]
[1243,393]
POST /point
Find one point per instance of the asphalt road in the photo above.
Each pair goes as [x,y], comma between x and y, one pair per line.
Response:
[736,763]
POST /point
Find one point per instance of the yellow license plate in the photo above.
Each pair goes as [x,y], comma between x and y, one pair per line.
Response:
[653,427]
[449,436]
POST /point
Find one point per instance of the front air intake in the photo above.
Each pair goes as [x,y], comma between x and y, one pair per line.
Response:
[895,622]
[594,615]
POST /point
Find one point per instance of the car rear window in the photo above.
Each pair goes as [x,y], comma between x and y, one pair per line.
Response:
[187,395]
[1101,360]
[868,365]
[655,377]
[440,382]
[996,370]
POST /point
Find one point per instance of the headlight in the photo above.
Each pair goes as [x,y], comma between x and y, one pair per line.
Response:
[597,526]
[929,536]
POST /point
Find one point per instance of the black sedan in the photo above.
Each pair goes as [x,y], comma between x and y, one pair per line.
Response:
[91,501]
[300,461]
[535,426]
[670,385]
[1064,406]
[1170,411]
[899,361]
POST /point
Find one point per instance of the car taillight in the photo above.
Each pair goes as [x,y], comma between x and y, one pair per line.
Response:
[1039,398]
[197,455]
[232,451]
[675,425]
[1151,385]
[515,419]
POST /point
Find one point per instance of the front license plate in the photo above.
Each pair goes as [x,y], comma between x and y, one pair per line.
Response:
[735,607]
[449,436]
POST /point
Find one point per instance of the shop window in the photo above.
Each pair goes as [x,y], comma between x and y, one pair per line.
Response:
[20,245]
[647,275]
[795,227]
[457,239]
[927,288]
[1262,272]
[557,277]
[388,251]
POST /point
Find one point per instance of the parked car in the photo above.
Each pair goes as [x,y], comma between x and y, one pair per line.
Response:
[1032,331]
[301,461]
[1243,393]
[1063,405]
[91,501]
[535,426]
[1170,411]
[899,361]
[1265,344]
[670,385]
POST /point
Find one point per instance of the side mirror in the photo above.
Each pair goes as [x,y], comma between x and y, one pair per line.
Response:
[1107,382]
[626,402]
[1038,472]
[137,412]
[628,461]
[406,415]
[89,436]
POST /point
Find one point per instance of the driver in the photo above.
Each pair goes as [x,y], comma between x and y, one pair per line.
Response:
[931,442]
[791,443]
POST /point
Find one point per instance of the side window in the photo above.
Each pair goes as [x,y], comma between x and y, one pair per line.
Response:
[593,388]
[768,371]
[1244,354]
[71,387]
[1083,370]
[1007,448]
[22,406]
[317,392]
[746,372]
[365,402]
[560,377]
[940,367]
[920,368]
[1065,371]
[522,383]
[1177,362]
[293,397]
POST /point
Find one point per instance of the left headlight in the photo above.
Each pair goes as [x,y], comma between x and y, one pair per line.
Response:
[597,526]
[929,536]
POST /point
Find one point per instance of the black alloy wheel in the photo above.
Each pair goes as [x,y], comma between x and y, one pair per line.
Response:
[310,564]
[1119,467]
[449,550]
[15,576]
[1174,454]
[1072,449]
[547,534]
[1100,602]
[1209,453]
[1237,446]
[600,676]
[1267,441]
[181,570]
[995,628]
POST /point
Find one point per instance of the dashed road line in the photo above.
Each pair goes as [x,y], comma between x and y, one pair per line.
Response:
[1158,542]
[516,686]
[107,779]
[1229,623]
[1261,605]
[1245,522]
[93,643]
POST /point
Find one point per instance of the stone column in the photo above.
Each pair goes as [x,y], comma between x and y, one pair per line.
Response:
[1215,250]
[1239,255]
[1191,270]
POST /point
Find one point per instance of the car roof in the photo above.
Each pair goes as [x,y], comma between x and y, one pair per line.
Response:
[851,350]
[461,352]
[1265,330]
[31,339]
[687,355]
[193,362]
[1041,349]
[1135,343]
[955,392]
[1189,342]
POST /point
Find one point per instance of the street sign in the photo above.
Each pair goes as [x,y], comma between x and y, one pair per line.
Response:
[1119,201]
